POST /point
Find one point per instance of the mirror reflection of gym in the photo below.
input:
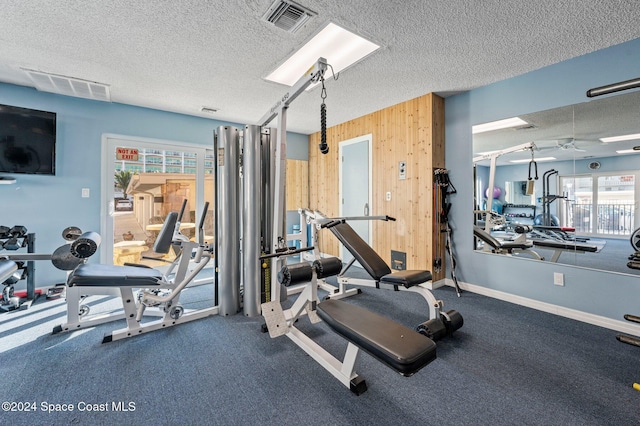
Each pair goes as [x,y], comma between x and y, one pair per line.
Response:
[585,184]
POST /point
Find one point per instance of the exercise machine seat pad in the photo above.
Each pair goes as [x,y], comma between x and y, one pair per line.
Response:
[395,345]
[7,268]
[113,276]
[407,278]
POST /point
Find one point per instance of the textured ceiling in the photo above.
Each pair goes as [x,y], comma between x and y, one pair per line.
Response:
[181,55]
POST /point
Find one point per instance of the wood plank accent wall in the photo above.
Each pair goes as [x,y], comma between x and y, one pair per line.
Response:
[297,184]
[412,131]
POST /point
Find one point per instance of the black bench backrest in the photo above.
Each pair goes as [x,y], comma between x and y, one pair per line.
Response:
[363,253]
[165,236]
[486,237]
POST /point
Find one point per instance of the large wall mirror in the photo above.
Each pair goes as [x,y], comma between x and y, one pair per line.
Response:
[566,184]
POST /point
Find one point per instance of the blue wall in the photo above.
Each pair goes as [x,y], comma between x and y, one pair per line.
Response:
[596,292]
[48,204]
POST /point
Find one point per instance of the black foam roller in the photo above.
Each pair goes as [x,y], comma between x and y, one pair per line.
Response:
[327,266]
[295,274]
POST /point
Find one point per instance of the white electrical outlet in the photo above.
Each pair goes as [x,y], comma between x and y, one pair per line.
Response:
[558,278]
[85,192]
[388,197]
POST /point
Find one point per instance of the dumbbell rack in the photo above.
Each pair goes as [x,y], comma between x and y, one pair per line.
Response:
[30,240]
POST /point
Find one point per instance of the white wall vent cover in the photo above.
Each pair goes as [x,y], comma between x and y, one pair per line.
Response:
[287,15]
[69,86]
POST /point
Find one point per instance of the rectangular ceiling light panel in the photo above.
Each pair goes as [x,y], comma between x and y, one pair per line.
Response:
[497,125]
[537,159]
[341,49]
[621,138]
[69,86]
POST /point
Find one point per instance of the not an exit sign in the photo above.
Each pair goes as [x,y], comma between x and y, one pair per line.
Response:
[130,154]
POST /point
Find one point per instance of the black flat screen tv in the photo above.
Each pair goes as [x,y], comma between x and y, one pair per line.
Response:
[27,141]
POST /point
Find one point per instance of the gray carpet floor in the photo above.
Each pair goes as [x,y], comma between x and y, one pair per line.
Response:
[508,365]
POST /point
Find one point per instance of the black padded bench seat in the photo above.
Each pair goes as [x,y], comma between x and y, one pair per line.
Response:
[372,262]
[569,245]
[397,346]
[7,268]
[407,278]
[113,276]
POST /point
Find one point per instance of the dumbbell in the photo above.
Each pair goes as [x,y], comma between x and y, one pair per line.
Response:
[4,232]
[14,234]
[18,231]
[13,244]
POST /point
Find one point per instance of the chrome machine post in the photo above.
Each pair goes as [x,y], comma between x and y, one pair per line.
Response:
[227,255]
[251,220]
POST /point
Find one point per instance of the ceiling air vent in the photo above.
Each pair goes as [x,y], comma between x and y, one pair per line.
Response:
[287,15]
[69,86]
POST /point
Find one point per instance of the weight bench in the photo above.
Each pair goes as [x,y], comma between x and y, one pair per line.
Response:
[559,246]
[505,247]
[438,324]
[159,291]
[402,349]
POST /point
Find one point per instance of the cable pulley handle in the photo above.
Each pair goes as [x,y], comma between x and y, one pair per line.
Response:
[286,253]
[331,223]
[535,166]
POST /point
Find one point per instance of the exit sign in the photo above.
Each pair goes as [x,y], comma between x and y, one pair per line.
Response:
[130,154]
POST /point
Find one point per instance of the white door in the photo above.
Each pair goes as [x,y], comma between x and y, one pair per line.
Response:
[162,175]
[355,186]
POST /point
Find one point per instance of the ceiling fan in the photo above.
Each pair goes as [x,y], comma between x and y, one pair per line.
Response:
[568,143]
[563,144]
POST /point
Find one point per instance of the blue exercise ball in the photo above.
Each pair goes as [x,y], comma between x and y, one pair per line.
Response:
[554,220]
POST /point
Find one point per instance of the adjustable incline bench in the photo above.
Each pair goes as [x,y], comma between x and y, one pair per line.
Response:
[438,325]
[505,247]
[400,348]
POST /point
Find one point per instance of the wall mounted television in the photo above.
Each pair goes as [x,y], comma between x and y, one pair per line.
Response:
[27,141]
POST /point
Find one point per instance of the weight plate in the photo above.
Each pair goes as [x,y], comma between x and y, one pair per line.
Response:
[63,259]
[71,233]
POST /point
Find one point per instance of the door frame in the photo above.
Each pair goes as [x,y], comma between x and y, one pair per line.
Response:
[359,139]
[107,208]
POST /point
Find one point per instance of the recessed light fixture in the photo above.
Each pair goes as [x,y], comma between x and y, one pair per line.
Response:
[621,138]
[497,125]
[537,159]
[341,49]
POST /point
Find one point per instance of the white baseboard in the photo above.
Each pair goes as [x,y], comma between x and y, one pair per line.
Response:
[612,324]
